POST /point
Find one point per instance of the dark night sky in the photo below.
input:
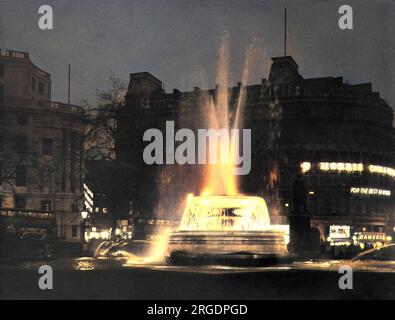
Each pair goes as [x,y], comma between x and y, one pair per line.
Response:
[177,40]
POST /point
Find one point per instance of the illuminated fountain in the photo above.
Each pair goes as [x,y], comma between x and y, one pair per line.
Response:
[216,228]
[226,228]
[222,225]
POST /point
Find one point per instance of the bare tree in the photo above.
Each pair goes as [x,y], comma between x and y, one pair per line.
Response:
[100,148]
[102,121]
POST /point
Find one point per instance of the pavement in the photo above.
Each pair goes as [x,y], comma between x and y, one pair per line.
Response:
[88,278]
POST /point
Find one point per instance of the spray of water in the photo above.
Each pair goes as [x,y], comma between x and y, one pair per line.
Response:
[216,179]
[225,213]
[156,253]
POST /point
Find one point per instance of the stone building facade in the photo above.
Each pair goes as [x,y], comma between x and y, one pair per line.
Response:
[337,135]
[41,149]
[340,137]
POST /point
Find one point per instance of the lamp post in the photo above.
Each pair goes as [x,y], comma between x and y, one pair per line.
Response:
[84,216]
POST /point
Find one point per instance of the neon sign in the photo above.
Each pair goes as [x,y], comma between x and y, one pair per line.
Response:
[348,167]
[370,191]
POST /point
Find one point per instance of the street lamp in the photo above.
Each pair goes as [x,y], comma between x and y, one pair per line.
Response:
[84,216]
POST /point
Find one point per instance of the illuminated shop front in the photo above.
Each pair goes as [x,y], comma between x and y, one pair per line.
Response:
[123,231]
[371,237]
[346,235]
[360,194]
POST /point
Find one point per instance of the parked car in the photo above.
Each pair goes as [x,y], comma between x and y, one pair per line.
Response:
[17,249]
[382,258]
[385,253]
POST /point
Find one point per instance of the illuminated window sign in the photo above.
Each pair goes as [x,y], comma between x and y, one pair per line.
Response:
[347,167]
[341,166]
[382,170]
[370,237]
[339,232]
[305,166]
[370,191]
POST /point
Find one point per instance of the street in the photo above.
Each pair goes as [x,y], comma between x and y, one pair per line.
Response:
[88,278]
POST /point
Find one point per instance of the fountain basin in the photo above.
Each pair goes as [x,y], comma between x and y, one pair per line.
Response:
[253,242]
[226,229]
[231,247]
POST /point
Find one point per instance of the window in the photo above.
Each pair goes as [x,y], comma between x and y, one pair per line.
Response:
[33,84]
[2,70]
[74,231]
[20,176]
[21,119]
[41,88]
[47,147]
[21,145]
[20,202]
[63,181]
[46,205]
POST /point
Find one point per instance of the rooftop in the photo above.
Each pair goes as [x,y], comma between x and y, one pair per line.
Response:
[21,56]
[39,105]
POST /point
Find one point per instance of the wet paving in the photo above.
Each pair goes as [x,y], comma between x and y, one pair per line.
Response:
[105,278]
[112,264]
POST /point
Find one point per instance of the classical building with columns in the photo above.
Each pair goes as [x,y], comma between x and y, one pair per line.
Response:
[41,152]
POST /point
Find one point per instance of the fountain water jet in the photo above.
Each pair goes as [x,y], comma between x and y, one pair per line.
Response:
[222,225]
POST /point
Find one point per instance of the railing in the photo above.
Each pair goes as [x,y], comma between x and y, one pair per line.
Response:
[326,93]
[39,104]
[14,54]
